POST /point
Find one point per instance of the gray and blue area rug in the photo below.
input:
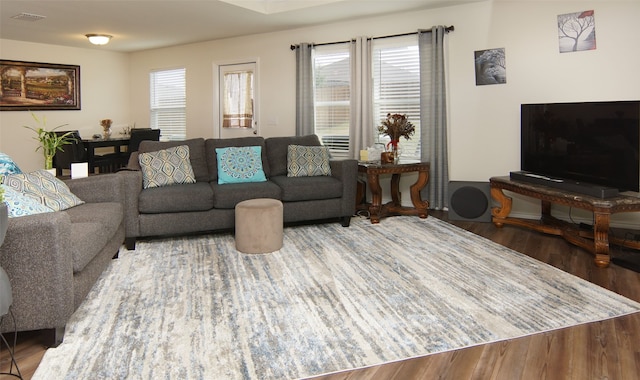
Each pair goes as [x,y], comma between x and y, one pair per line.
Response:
[331,299]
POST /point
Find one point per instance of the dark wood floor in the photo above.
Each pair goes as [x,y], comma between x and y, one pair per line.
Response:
[603,350]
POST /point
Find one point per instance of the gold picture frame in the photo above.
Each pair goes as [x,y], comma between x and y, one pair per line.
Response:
[38,86]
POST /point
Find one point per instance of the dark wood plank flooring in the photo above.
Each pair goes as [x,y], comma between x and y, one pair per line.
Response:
[603,350]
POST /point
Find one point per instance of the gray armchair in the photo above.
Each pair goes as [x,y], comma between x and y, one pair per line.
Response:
[53,259]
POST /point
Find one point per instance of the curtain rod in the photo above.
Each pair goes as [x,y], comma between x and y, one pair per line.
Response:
[446,29]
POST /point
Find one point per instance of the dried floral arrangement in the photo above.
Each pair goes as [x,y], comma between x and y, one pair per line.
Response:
[396,126]
[105,123]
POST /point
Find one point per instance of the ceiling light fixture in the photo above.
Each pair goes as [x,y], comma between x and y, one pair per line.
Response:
[98,39]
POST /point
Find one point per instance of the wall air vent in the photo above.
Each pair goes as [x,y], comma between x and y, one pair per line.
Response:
[28,17]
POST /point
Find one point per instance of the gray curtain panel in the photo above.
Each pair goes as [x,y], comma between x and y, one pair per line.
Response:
[433,115]
[304,90]
[361,125]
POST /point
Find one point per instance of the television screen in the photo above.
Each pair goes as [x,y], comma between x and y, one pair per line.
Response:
[592,142]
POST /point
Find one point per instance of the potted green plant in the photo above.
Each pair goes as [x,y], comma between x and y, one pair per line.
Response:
[50,141]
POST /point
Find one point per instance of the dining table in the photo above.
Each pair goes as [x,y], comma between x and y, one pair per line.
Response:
[116,143]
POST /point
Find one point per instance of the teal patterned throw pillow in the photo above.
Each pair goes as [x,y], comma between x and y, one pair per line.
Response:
[308,161]
[240,164]
[19,204]
[7,166]
[44,187]
[165,167]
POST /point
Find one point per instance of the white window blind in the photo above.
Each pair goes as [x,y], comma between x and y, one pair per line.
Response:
[332,86]
[396,86]
[168,103]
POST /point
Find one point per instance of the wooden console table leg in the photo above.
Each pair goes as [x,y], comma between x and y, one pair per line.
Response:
[396,197]
[502,211]
[376,198]
[416,199]
[601,239]
[545,211]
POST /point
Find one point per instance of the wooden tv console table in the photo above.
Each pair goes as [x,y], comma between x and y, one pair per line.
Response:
[596,241]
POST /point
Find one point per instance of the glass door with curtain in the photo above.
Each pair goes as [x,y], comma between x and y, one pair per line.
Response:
[238,103]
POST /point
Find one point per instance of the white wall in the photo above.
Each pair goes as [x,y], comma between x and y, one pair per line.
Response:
[104,90]
[484,120]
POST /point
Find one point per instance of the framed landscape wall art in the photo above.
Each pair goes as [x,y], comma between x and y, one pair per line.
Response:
[577,31]
[38,86]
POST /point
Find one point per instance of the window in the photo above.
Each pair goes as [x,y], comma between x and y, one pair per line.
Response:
[332,86]
[168,103]
[396,86]
[396,89]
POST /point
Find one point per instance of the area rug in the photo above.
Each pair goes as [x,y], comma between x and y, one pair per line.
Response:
[331,299]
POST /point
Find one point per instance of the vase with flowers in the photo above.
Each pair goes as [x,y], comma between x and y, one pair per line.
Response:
[106,128]
[396,126]
[50,141]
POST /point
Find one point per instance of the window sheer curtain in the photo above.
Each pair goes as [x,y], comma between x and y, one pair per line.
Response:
[361,126]
[238,104]
[305,119]
[433,115]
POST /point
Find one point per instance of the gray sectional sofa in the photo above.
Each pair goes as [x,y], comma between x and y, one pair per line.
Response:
[207,205]
[53,259]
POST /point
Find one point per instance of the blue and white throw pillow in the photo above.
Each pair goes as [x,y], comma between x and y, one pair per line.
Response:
[7,166]
[239,164]
[19,204]
[44,187]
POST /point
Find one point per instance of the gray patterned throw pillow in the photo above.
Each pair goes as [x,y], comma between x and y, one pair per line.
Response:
[166,167]
[308,161]
[43,187]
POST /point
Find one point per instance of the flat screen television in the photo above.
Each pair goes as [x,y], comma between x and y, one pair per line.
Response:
[590,142]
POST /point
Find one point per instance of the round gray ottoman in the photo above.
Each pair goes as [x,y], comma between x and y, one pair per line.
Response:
[259,225]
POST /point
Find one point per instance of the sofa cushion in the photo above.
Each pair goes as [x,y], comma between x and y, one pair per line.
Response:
[19,204]
[45,187]
[166,167]
[210,146]
[308,188]
[308,161]
[92,225]
[240,164]
[177,198]
[196,154]
[277,150]
[228,195]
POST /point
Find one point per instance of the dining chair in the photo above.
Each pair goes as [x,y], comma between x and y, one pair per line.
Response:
[140,135]
[137,135]
[70,153]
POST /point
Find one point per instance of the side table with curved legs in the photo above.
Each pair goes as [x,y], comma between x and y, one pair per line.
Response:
[378,210]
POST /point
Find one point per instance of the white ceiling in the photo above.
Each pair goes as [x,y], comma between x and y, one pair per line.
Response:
[147,24]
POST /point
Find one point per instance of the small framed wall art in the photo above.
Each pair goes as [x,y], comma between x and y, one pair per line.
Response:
[491,67]
[577,31]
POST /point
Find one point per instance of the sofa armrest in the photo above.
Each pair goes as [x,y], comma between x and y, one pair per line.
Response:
[347,172]
[132,182]
[37,256]
[98,188]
